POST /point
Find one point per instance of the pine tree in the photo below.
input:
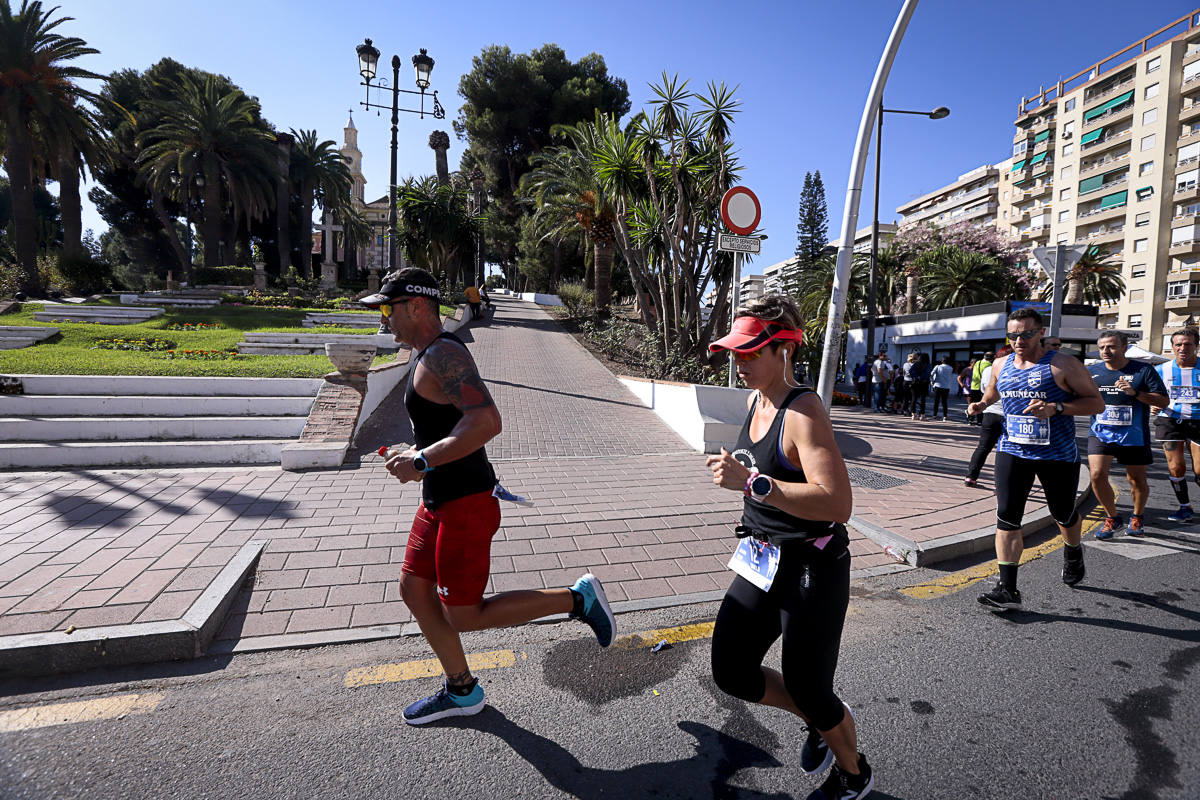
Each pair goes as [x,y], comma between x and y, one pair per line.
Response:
[812,230]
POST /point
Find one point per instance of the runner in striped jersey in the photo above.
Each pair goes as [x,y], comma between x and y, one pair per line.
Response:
[1179,422]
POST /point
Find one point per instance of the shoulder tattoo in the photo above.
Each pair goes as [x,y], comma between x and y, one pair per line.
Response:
[456,372]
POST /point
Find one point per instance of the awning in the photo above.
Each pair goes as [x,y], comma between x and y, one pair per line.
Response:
[1091,136]
[1100,109]
[1039,158]
[1019,165]
[1041,174]
[1144,192]
[1090,184]
[1041,137]
[1115,199]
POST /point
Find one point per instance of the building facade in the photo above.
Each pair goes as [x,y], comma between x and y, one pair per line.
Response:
[973,198]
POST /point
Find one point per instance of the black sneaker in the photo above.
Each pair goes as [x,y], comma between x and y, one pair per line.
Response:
[844,786]
[815,755]
[1002,597]
[1073,569]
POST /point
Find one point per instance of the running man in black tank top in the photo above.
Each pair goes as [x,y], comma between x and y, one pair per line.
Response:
[446,561]
[793,562]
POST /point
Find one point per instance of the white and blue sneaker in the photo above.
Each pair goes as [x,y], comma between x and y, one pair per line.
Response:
[596,612]
[445,704]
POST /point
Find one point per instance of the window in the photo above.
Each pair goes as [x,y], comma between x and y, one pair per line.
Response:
[1063,216]
[1005,194]
[1020,147]
[1146,169]
[1069,105]
[1141,220]
[1150,116]
[1153,64]
[1068,130]
[1147,142]
[1068,148]
[1177,290]
[1139,245]
[1137,271]
[1151,91]
[1145,192]
[1062,238]
[1137,296]
[1135,320]
[1064,173]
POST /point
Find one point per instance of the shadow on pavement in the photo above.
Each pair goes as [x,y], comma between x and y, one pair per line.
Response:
[125,677]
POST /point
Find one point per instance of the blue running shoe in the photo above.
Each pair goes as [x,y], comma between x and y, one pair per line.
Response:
[445,704]
[596,612]
[1111,526]
[1135,526]
[1184,514]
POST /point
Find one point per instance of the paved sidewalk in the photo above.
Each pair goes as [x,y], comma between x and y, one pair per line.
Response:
[617,492]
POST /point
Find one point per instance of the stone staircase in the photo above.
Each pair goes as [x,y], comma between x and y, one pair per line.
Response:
[345,320]
[302,344]
[109,421]
[103,315]
[15,337]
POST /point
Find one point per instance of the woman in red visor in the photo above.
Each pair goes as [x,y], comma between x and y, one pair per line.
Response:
[793,559]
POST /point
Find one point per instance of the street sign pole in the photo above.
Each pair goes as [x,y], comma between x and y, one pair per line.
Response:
[1058,263]
[735,295]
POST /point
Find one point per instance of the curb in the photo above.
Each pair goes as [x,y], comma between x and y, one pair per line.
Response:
[924,554]
[40,654]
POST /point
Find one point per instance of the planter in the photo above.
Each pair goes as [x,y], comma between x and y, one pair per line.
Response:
[349,358]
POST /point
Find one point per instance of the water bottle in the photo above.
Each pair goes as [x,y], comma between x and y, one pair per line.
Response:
[898,553]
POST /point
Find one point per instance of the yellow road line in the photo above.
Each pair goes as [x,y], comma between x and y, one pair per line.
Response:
[23,719]
[680,633]
[957,581]
[426,668]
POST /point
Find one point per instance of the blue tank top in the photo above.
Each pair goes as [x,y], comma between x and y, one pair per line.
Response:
[1024,436]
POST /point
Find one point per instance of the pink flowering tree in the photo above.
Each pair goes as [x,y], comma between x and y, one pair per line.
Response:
[925,247]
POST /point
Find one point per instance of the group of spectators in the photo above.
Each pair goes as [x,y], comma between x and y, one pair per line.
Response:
[905,388]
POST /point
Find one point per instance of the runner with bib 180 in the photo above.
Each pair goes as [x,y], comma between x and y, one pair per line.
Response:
[1122,430]
[1041,391]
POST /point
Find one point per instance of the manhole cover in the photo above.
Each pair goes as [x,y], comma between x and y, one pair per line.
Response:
[873,480]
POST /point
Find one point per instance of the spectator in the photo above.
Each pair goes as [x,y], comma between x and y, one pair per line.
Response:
[473,297]
[881,376]
[862,382]
[976,380]
[943,381]
[919,388]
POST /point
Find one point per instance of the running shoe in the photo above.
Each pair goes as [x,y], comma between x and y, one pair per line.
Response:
[1184,514]
[1073,570]
[1135,526]
[1111,526]
[970,482]
[1002,597]
[815,755]
[443,704]
[596,612]
[844,786]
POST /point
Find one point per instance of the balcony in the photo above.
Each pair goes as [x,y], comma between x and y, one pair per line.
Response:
[1185,247]
[986,210]
[1186,192]
[1121,181]
[1188,214]
[1102,214]
[1112,116]
[1030,234]
[1191,58]
[1184,303]
[1092,166]
[1187,137]
[1109,235]
[1190,112]
[1109,91]
[1042,189]
[1108,142]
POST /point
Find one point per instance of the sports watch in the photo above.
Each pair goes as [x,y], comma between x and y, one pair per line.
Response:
[420,463]
[760,487]
[1058,408]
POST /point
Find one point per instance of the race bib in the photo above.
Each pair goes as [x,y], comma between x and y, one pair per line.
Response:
[1186,395]
[756,561]
[1116,415]
[1027,430]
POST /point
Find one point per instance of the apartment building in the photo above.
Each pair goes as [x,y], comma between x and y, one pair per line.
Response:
[1111,157]
[973,197]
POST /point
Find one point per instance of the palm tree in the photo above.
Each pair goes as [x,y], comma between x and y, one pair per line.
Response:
[436,229]
[813,292]
[35,85]
[212,138]
[320,174]
[76,142]
[1094,279]
[963,278]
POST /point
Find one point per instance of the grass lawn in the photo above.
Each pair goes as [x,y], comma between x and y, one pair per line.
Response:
[73,351]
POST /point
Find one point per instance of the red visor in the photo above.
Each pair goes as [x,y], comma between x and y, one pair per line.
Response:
[751,333]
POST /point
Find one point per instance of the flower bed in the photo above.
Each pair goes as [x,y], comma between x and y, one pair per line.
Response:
[204,355]
[194,326]
[149,345]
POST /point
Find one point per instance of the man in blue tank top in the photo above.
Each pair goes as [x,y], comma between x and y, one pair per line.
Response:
[1122,430]
[1040,391]
[1177,425]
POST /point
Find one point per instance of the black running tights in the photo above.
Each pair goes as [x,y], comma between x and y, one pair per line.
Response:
[807,606]
[989,433]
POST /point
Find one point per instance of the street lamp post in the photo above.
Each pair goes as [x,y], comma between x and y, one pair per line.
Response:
[368,59]
[476,178]
[940,112]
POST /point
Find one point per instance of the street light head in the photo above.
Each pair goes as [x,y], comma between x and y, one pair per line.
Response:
[424,67]
[941,112]
[368,59]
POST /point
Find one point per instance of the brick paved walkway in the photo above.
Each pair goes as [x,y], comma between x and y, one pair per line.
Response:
[617,493]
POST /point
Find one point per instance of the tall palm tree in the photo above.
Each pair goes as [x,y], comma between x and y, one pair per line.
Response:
[321,176]
[35,83]
[963,278]
[75,142]
[211,138]
[1094,279]
[436,229]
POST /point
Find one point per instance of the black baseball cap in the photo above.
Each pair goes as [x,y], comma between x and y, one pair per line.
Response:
[408,283]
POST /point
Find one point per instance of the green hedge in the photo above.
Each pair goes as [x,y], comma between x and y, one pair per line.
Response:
[224,276]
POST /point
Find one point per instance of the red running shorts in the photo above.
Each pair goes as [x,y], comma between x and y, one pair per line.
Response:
[451,547]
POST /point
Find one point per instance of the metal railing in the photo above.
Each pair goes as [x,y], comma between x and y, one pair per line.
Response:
[1109,185]
[1096,211]
[1111,90]
[1124,108]
[1113,138]
[1106,160]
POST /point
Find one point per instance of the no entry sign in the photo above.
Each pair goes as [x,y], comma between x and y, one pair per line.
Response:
[740,210]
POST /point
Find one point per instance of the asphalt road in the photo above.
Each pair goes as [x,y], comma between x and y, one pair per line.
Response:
[1088,693]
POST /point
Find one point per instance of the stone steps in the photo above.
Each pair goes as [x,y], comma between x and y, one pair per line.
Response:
[103,315]
[269,344]
[13,343]
[73,454]
[152,406]
[112,428]
[348,320]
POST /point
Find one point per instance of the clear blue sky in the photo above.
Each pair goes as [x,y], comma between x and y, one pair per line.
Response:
[803,68]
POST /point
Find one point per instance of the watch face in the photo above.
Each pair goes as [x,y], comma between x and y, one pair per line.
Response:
[761,485]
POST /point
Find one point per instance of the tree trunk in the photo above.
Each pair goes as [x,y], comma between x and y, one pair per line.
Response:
[1074,290]
[283,216]
[69,202]
[604,258]
[17,158]
[910,295]
[308,195]
[212,218]
[554,275]
[443,170]
[160,211]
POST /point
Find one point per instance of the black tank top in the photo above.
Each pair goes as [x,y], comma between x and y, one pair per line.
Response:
[766,456]
[433,422]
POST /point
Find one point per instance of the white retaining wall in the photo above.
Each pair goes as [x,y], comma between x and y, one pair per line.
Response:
[707,417]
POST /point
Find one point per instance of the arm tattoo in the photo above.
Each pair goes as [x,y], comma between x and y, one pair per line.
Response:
[456,371]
